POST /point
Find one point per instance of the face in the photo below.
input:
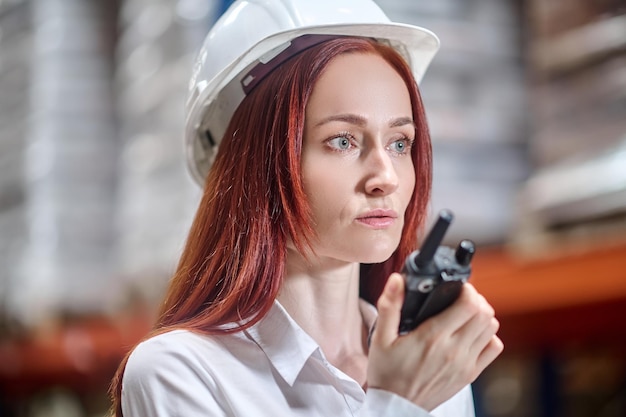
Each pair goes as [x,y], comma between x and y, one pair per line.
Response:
[356,160]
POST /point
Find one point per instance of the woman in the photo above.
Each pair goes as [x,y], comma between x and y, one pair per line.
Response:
[316,194]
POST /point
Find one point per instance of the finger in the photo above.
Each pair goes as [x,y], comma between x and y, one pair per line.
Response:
[453,318]
[485,336]
[389,305]
[489,353]
[481,320]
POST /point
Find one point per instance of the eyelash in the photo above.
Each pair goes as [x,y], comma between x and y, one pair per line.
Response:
[408,142]
[341,135]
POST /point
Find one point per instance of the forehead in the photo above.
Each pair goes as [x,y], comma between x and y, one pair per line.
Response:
[360,83]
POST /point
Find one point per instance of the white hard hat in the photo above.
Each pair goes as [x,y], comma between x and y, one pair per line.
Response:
[255,31]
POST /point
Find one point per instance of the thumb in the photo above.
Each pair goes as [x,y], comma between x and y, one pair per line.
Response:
[389,305]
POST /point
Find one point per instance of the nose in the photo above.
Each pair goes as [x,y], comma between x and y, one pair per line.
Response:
[382,177]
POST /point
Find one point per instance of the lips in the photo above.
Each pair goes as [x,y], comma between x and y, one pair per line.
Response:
[378,218]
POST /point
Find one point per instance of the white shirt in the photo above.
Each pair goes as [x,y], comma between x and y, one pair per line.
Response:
[273,369]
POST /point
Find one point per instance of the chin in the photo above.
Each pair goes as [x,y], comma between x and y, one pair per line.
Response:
[377,256]
[366,249]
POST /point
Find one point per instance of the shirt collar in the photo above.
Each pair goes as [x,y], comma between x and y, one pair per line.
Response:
[286,344]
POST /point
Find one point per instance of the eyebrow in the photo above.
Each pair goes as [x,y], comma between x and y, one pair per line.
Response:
[360,121]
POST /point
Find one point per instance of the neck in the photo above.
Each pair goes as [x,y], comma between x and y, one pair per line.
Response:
[323,298]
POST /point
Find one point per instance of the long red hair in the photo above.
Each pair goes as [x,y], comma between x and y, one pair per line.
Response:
[233,263]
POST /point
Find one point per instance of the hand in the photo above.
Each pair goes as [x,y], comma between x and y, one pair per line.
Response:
[439,357]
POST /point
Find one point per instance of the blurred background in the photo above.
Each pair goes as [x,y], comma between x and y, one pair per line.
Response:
[527,106]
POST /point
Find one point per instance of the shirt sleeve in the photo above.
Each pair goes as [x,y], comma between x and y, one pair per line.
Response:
[462,404]
[162,382]
[380,403]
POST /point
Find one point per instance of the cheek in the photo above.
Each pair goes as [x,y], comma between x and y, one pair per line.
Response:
[320,177]
[407,182]
[323,190]
[328,192]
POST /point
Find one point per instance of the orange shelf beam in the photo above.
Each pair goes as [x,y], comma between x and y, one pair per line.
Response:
[515,286]
[576,298]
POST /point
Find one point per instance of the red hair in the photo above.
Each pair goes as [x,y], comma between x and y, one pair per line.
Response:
[233,263]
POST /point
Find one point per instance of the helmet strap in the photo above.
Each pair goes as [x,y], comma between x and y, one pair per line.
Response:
[297,45]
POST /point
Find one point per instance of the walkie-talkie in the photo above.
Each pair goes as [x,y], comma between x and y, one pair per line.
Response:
[434,275]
